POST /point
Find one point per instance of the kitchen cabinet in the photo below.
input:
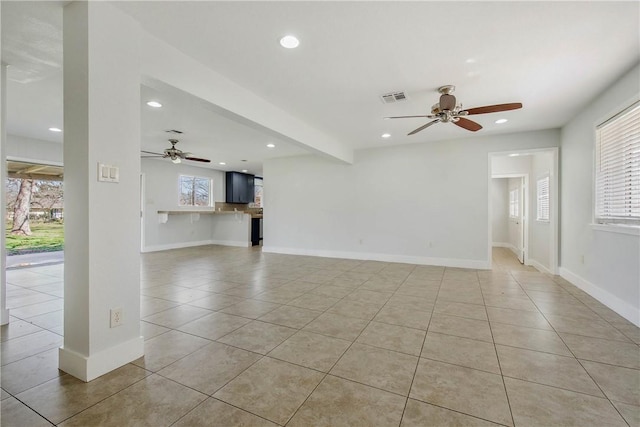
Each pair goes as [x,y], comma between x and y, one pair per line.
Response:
[240,187]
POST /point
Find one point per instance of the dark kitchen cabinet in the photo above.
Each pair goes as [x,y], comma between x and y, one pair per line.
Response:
[240,187]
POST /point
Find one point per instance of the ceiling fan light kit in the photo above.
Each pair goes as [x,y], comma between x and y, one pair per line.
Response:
[447,110]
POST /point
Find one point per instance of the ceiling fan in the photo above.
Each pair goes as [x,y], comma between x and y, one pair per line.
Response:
[174,154]
[447,111]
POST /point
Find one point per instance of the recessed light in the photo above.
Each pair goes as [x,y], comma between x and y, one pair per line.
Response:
[222,163]
[386,135]
[154,104]
[289,42]
[271,145]
[500,121]
[55,129]
[514,155]
[470,61]
[245,170]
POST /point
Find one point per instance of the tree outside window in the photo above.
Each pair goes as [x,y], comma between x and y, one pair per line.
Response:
[195,191]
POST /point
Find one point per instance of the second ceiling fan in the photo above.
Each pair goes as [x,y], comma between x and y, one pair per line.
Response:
[175,154]
[448,111]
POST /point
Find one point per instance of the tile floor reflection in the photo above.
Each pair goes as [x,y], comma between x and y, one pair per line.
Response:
[237,337]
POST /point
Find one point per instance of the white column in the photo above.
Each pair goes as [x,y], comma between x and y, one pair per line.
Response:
[102,225]
[4,312]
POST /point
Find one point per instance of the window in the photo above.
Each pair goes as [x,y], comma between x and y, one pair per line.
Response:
[618,168]
[257,193]
[513,203]
[195,191]
[542,191]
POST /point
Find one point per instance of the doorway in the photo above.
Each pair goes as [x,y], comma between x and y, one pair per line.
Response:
[509,214]
[34,215]
[523,206]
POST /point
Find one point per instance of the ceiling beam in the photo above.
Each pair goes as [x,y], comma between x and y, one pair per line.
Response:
[31,169]
[36,176]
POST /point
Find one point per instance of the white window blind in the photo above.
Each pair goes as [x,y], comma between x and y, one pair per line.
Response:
[513,203]
[542,190]
[618,168]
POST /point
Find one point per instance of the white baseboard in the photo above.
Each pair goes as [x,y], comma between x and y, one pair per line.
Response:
[620,306]
[238,243]
[367,256]
[538,266]
[502,245]
[181,245]
[91,367]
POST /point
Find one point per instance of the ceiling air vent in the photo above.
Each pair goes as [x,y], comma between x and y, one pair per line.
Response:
[173,131]
[390,98]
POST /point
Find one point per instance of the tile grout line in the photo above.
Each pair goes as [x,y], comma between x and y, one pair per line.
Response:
[415,370]
[585,370]
[495,349]
[340,358]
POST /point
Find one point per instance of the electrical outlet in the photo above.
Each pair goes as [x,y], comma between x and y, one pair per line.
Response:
[116,317]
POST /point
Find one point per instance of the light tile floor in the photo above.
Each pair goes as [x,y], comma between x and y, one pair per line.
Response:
[237,337]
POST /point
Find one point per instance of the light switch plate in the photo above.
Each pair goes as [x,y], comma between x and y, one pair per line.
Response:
[108,173]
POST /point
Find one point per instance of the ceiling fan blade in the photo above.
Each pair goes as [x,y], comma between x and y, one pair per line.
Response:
[407,117]
[197,159]
[467,124]
[151,157]
[150,152]
[423,127]
[494,108]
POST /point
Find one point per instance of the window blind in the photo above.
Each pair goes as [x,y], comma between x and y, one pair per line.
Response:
[542,190]
[618,168]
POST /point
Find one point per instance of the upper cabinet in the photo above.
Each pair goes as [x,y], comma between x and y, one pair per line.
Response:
[240,187]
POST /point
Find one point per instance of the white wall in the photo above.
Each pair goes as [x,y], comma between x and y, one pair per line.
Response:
[611,268]
[4,312]
[423,203]
[161,194]
[499,211]
[540,233]
[24,149]
[102,225]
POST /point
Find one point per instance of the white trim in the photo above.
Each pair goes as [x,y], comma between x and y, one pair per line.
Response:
[538,266]
[35,161]
[620,306]
[369,256]
[502,245]
[181,245]
[4,316]
[617,228]
[238,243]
[91,367]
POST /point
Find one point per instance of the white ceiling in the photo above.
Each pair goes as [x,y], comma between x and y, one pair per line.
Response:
[554,57]
[207,132]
